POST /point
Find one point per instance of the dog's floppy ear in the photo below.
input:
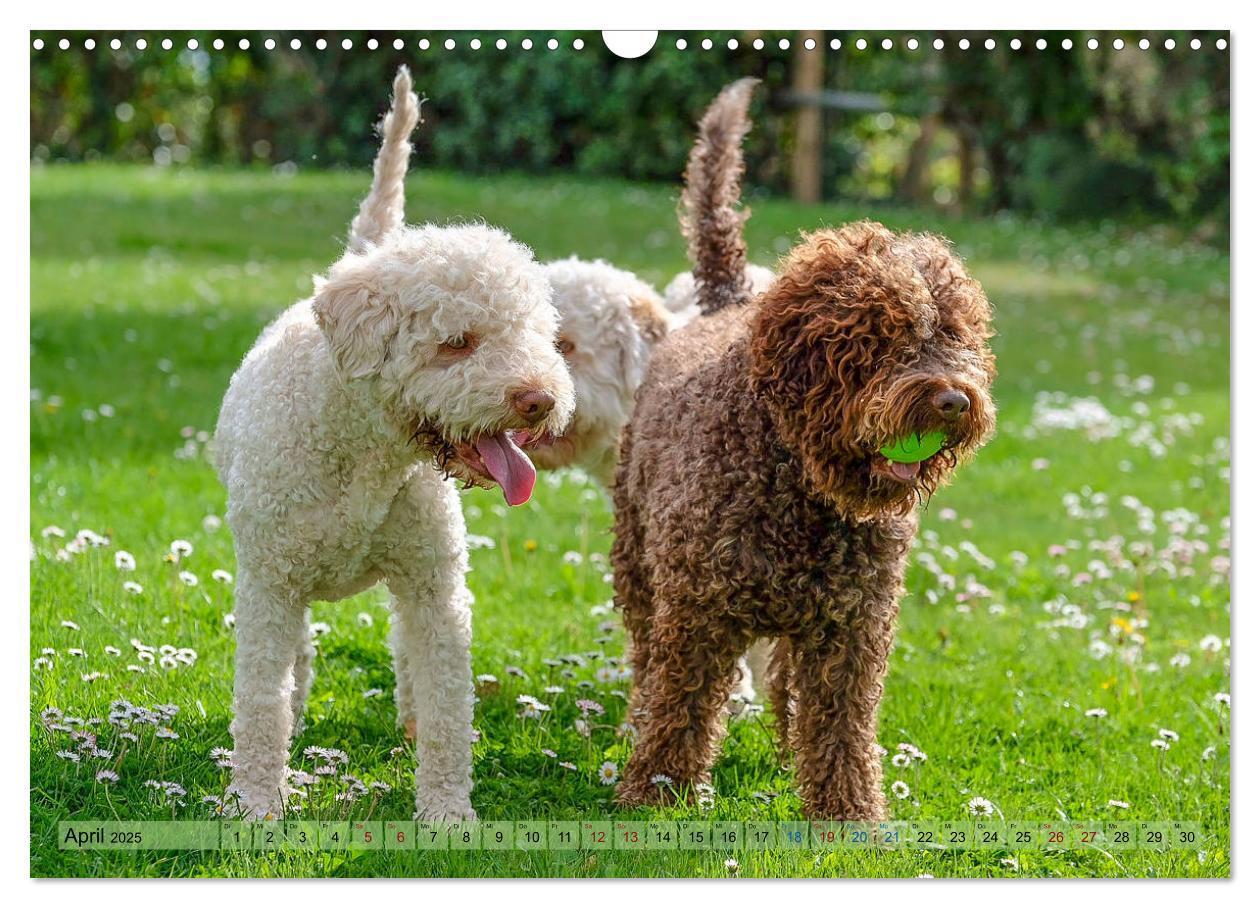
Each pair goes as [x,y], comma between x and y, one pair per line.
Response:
[651,321]
[358,320]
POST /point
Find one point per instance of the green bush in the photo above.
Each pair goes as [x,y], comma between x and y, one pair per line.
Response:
[1060,133]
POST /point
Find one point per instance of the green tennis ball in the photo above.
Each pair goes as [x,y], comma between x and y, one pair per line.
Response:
[914,448]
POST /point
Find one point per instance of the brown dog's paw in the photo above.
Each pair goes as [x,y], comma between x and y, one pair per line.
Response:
[644,794]
[637,795]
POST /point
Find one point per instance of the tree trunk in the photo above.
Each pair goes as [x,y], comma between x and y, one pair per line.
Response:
[966,168]
[807,79]
[912,188]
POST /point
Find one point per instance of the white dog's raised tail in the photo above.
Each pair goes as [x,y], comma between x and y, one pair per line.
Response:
[382,210]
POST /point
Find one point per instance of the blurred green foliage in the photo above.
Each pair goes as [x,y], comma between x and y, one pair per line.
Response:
[1075,133]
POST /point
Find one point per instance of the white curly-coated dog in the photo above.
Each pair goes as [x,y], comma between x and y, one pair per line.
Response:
[609,323]
[424,357]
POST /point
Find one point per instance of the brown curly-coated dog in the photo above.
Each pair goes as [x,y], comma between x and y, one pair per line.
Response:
[751,500]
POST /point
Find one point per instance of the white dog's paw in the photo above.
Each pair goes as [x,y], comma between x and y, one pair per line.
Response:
[454,810]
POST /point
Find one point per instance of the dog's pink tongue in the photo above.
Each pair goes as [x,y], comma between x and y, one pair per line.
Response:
[904,471]
[508,465]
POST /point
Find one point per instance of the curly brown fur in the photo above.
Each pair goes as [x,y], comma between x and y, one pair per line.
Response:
[711,221]
[751,501]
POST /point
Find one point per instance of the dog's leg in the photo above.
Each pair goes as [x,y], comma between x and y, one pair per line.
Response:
[435,634]
[303,673]
[838,679]
[269,632]
[404,686]
[632,586]
[683,697]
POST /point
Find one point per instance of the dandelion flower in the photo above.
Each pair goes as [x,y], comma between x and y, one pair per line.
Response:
[70,625]
[1159,744]
[1118,805]
[133,588]
[181,548]
[221,575]
[1210,644]
[124,561]
[1222,698]
[188,578]
[608,774]
[1096,713]
[731,865]
[1169,735]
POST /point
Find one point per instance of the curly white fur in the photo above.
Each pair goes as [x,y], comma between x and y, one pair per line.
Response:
[332,487]
[609,323]
[382,208]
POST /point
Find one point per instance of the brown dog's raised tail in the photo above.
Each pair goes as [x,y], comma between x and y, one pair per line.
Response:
[711,220]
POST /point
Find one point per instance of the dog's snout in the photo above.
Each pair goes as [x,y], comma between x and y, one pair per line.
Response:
[951,404]
[532,405]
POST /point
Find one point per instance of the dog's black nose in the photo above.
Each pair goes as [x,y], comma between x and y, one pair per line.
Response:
[532,405]
[951,404]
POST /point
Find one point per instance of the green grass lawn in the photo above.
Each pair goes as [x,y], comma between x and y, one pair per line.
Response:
[1080,563]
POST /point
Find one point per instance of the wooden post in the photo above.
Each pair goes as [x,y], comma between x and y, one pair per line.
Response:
[807,79]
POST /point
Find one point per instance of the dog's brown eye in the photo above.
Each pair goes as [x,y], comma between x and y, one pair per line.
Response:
[565,346]
[460,343]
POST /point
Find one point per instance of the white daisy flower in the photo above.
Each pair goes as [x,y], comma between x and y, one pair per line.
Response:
[980,807]
[608,773]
